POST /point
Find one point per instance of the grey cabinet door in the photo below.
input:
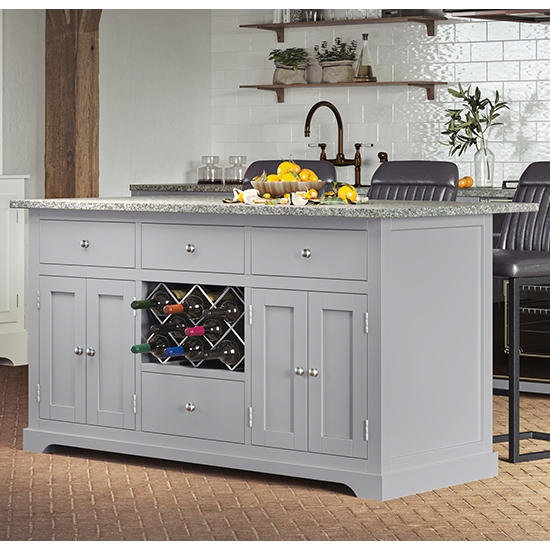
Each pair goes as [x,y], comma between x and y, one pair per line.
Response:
[87,372]
[110,364]
[62,325]
[278,356]
[337,374]
[309,371]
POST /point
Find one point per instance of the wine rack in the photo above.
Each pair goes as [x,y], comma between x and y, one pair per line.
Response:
[204,298]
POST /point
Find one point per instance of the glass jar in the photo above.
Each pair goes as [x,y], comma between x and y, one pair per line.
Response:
[210,173]
[234,174]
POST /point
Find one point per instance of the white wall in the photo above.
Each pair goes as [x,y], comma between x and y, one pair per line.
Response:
[511,57]
[23,97]
[170,93]
[155,82]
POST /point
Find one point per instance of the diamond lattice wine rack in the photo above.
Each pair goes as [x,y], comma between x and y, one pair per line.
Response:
[204,327]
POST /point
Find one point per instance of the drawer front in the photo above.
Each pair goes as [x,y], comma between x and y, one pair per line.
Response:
[107,244]
[193,248]
[310,253]
[206,408]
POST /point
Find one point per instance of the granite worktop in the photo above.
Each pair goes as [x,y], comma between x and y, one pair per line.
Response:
[209,204]
[474,192]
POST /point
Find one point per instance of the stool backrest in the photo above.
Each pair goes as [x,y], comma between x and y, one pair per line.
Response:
[417,180]
[529,230]
[324,170]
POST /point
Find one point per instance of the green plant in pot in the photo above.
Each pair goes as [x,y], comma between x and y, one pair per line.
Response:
[336,61]
[469,126]
[290,65]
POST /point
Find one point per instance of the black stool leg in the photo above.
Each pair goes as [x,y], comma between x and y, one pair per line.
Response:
[513,370]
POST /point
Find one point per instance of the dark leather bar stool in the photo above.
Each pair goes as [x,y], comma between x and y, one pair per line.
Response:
[416,180]
[523,256]
[324,170]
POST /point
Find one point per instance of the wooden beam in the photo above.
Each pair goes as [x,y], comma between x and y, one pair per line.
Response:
[72,103]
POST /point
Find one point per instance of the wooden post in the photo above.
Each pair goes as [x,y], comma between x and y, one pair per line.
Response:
[72,103]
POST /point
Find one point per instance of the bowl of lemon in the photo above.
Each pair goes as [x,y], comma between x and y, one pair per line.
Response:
[290,178]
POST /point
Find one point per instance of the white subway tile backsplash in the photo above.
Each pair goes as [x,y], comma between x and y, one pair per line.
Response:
[511,57]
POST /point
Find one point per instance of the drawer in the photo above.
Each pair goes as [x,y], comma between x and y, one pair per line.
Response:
[201,248]
[327,254]
[107,244]
[218,407]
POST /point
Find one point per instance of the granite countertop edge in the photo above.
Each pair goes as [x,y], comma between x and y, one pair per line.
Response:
[214,205]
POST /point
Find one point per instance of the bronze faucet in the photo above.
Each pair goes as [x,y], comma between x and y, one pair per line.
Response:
[340,159]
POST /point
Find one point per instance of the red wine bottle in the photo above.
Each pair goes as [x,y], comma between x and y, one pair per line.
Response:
[156,345]
[176,324]
[191,306]
[189,350]
[211,329]
[228,352]
[228,310]
[156,302]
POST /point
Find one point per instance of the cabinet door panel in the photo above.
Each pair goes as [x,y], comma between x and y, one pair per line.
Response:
[110,370]
[62,330]
[337,394]
[279,346]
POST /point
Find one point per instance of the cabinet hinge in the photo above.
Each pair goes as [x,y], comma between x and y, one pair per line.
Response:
[38,392]
[38,299]
[366,430]
[366,322]
[134,404]
[250,314]
[17,300]
[250,417]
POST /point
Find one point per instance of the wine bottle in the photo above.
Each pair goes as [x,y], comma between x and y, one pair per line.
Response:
[228,310]
[176,324]
[190,350]
[228,352]
[211,329]
[156,345]
[192,306]
[156,302]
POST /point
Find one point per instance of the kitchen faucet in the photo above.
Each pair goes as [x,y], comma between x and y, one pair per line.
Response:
[340,159]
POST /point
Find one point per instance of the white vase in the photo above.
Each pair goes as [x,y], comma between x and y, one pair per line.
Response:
[484,167]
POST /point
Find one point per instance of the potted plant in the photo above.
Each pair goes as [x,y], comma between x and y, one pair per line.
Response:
[337,61]
[290,65]
[469,126]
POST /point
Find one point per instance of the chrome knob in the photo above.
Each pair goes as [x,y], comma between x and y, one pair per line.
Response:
[90,352]
[313,373]
[78,350]
[190,248]
[84,243]
[299,371]
[306,253]
[190,407]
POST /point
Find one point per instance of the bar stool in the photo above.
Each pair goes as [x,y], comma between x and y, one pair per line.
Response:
[417,180]
[523,255]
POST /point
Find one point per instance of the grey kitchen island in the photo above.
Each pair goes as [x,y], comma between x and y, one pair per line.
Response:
[365,330]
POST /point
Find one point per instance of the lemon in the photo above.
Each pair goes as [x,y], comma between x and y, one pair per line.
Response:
[240,197]
[290,176]
[347,193]
[308,175]
[272,177]
[286,167]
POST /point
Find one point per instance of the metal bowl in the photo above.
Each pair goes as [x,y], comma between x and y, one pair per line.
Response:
[279,188]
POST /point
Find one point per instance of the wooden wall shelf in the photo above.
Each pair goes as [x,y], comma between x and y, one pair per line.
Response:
[279,89]
[279,28]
